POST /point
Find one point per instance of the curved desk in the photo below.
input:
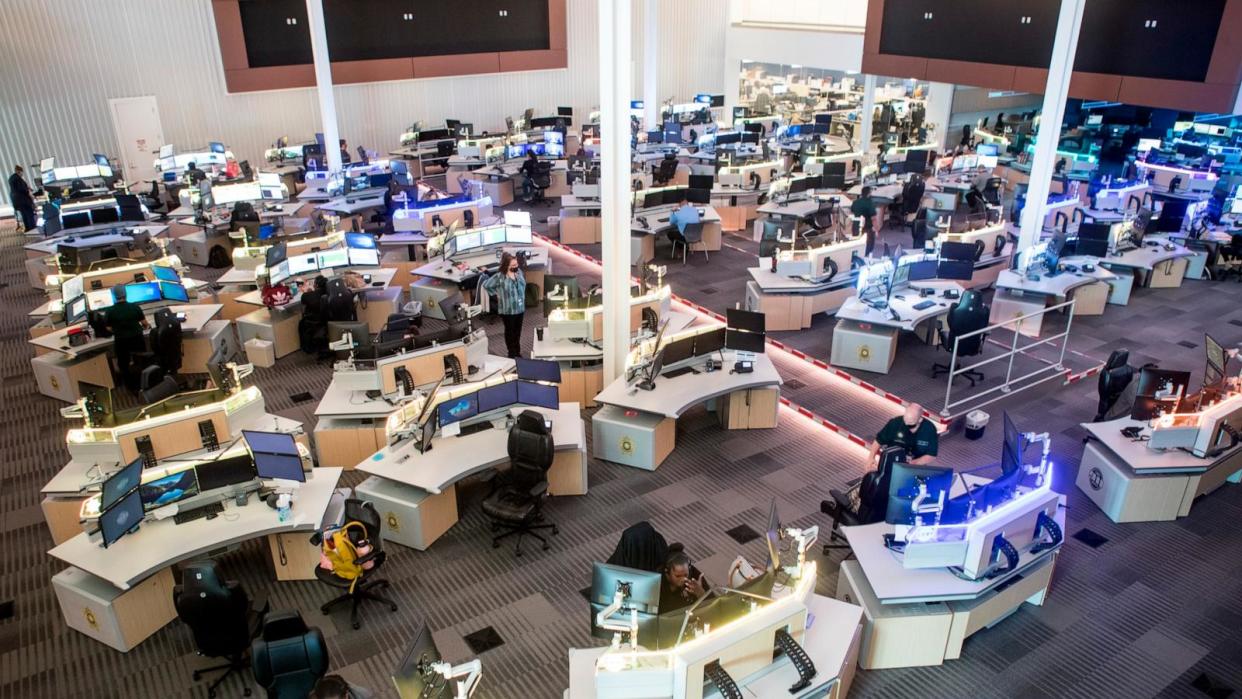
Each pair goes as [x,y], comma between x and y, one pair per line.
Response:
[638,428]
[420,488]
[866,338]
[1091,291]
[1156,266]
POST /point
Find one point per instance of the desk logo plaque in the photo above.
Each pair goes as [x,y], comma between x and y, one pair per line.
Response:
[627,446]
[91,621]
[864,353]
[394,523]
[1096,478]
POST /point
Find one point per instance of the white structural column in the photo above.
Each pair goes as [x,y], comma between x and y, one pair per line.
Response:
[865,117]
[323,81]
[939,108]
[615,81]
[1055,94]
[651,65]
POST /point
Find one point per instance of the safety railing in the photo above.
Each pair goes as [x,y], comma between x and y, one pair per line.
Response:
[1011,384]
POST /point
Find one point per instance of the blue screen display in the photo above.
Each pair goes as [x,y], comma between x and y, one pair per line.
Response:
[457,409]
[120,518]
[165,274]
[538,395]
[142,292]
[173,292]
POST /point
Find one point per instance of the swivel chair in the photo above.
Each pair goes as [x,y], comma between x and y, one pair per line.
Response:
[1114,378]
[865,503]
[665,171]
[467,218]
[340,305]
[244,215]
[693,234]
[516,502]
[1229,259]
[288,658]
[157,379]
[823,219]
[220,616]
[970,314]
[363,588]
[540,181]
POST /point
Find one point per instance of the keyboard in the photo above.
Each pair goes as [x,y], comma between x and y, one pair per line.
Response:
[474,428]
[923,305]
[679,372]
[184,516]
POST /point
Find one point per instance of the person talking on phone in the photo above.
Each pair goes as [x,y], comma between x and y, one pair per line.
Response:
[681,583]
[509,288]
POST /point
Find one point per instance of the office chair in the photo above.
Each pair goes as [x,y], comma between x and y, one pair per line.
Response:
[693,234]
[918,234]
[865,503]
[665,171]
[912,197]
[247,172]
[220,616]
[540,180]
[467,218]
[363,588]
[992,191]
[823,219]
[970,314]
[1114,379]
[516,502]
[157,379]
[243,214]
[1229,258]
[340,304]
[289,657]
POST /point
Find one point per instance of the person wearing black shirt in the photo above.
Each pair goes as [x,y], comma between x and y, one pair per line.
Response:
[194,175]
[681,584]
[912,432]
[529,167]
[21,198]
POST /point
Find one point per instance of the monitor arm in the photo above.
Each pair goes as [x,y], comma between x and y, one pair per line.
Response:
[77,411]
[605,621]
[805,539]
[471,673]
[921,506]
[1040,471]
[345,343]
[240,371]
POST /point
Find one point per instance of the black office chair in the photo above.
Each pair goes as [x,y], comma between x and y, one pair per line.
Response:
[665,171]
[247,172]
[693,234]
[865,503]
[289,657]
[220,616]
[363,588]
[1114,379]
[970,314]
[1229,259]
[822,220]
[912,198]
[157,379]
[340,304]
[540,181]
[992,191]
[467,218]
[515,505]
[244,216]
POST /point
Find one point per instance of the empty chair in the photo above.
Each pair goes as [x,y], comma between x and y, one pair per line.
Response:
[244,216]
[515,505]
[219,615]
[540,181]
[992,191]
[1115,378]
[363,587]
[665,171]
[1229,258]
[970,314]
[288,657]
[824,217]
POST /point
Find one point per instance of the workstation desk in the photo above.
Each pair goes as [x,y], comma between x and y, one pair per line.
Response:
[1017,295]
[919,617]
[41,254]
[418,491]
[1156,266]
[866,338]
[355,202]
[579,220]
[421,219]
[1132,483]
[656,218]
[797,210]
[195,242]
[124,593]
[737,206]
[639,428]
[789,303]
[440,278]
[503,181]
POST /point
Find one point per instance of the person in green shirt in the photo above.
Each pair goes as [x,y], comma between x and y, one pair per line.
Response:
[911,431]
[509,287]
[126,321]
[865,207]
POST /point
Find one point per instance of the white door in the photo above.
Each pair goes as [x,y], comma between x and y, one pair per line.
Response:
[136,122]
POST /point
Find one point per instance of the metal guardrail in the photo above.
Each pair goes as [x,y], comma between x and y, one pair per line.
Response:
[1011,383]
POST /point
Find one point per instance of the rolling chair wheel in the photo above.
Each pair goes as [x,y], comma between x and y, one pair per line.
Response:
[197,676]
[392,607]
[546,546]
[357,625]
[325,610]
[555,531]
[518,553]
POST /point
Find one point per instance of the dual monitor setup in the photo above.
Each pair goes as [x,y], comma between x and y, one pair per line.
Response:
[360,251]
[744,333]
[167,286]
[553,146]
[49,174]
[516,230]
[952,261]
[124,207]
[127,496]
[699,192]
[1167,391]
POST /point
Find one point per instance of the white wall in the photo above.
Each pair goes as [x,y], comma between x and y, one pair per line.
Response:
[837,13]
[63,60]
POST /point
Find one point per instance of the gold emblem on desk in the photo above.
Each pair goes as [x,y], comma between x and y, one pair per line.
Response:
[627,446]
[864,353]
[394,523]
[91,621]
[55,382]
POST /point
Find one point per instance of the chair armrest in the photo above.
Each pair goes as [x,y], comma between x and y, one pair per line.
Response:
[842,498]
[538,489]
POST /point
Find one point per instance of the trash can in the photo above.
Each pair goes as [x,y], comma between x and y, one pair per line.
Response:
[976,422]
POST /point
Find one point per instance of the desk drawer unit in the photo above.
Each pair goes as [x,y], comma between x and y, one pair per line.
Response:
[1120,288]
[1007,305]
[1090,299]
[641,440]
[412,516]
[895,635]
[1168,274]
[750,409]
[1128,497]
[197,347]
[119,618]
[59,376]
[866,347]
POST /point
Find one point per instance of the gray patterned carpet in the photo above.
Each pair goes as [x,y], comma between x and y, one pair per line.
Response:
[1145,614]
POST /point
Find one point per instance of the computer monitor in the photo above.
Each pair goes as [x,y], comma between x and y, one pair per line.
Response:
[215,147]
[165,274]
[538,370]
[1214,373]
[958,251]
[121,483]
[709,342]
[75,219]
[142,292]
[117,521]
[1012,447]
[744,341]
[651,199]
[275,454]
[899,278]
[959,270]
[415,677]
[1159,392]
[105,214]
[495,397]
[699,196]
[1172,216]
[1091,248]
[644,587]
[903,488]
[923,269]
[750,321]
[798,185]
[457,409]
[224,472]
[538,395]
[302,264]
[172,487]
[678,350]
[173,292]
[76,309]
[331,259]
[673,195]
[702,182]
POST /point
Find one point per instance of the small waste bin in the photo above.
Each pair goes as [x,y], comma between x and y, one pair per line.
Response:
[976,422]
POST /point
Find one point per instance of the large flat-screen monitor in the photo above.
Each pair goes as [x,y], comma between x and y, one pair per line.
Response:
[495,397]
[121,483]
[643,587]
[744,341]
[116,521]
[1159,392]
[538,370]
[457,409]
[538,395]
[173,487]
[224,472]
[750,321]
[275,455]
[904,487]
[709,342]
[958,251]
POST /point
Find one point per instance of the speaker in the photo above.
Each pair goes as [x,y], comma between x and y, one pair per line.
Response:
[146,450]
[207,434]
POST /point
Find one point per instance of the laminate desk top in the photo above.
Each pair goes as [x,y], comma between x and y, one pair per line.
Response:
[197,315]
[1059,285]
[658,218]
[279,210]
[159,544]
[341,401]
[451,459]
[464,267]
[569,350]
[1139,458]
[1146,257]
[381,275]
[191,285]
[673,396]
[895,584]
[772,282]
[352,203]
[50,246]
[902,302]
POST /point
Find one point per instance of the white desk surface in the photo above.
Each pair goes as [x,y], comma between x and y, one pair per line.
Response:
[449,271]
[856,310]
[453,458]
[571,202]
[354,202]
[384,275]
[159,544]
[1141,459]
[827,642]
[1147,257]
[401,239]
[278,210]
[658,218]
[340,401]
[673,396]
[45,309]
[245,277]
[800,208]
[1059,285]
[568,350]
[48,246]
[895,584]
[197,316]
[771,282]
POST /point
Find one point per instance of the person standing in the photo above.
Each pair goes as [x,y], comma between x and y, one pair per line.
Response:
[51,212]
[126,321]
[509,288]
[22,199]
[864,206]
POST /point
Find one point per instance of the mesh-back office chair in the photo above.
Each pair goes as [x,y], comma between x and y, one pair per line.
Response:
[340,304]
[992,191]
[1114,379]
[865,503]
[822,220]
[515,505]
[157,379]
[220,616]
[665,171]
[693,234]
[363,588]
[540,181]
[289,657]
[970,314]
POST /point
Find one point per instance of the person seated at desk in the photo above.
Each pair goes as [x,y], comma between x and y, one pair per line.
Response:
[529,167]
[126,322]
[193,175]
[313,328]
[864,206]
[335,687]
[911,431]
[643,548]
[684,215]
